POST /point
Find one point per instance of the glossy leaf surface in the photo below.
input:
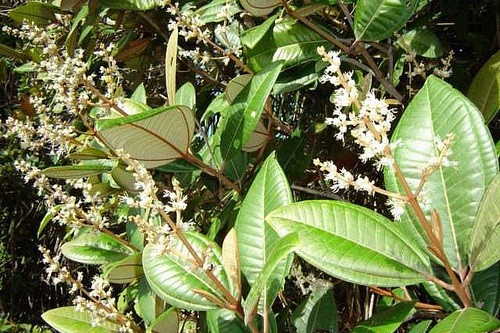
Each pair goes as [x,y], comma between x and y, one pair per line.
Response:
[352,243]
[68,320]
[166,132]
[269,191]
[485,236]
[470,320]
[455,192]
[96,248]
[175,277]
[375,20]
[386,321]
[484,90]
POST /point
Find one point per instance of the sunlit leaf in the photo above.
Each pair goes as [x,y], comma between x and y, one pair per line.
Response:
[470,320]
[423,42]
[166,132]
[75,171]
[454,191]
[352,243]
[375,20]
[68,320]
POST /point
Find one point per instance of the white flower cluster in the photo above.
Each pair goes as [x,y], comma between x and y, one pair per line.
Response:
[190,25]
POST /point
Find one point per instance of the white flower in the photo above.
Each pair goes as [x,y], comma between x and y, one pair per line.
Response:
[396,207]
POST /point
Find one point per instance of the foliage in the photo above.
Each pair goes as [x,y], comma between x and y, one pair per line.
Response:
[177,145]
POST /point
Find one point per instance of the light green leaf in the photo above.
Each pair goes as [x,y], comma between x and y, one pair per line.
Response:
[139,94]
[485,289]
[132,4]
[259,7]
[289,41]
[88,153]
[167,322]
[470,320]
[454,191]
[148,304]
[224,321]
[485,236]
[125,270]
[235,86]
[166,132]
[175,277]
[352,243]
[36,12]
[171,65]
[388,320]
[124,179]
[375,20]
[317,312]
[246,109]
[95,248]
[47,218]
[484,90]
[252,36]
[75,171]
[441,297]
[280,251]
[186,95]
[421,327]
[211,11]
[423,42]
[68,320]
[269,191]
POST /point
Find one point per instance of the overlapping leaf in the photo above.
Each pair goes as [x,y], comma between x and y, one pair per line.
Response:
[69,320]
[352,243]
[166,133]
[174,275]
[469,320]
[455,192]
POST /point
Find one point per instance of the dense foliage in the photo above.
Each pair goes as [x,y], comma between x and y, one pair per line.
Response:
[254,165]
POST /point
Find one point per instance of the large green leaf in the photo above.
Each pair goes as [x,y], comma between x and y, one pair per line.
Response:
[455,192]
[36,12]
[96,248]
[484,90]
[485,236]
[75,171]
[375,20]
[166,133]
[68,320]
[317,312]
[288,41]
[132,4]
[470,320]
[386,321]
[269,191]
[352,243]
[211,12]
[174,276]
[485,289]
[224,321]
[268,279]
[246,109]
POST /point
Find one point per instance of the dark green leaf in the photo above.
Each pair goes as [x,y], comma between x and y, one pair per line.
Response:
[421,327]
[352,243]
[167,322]
[132,4]
[423,42]
[317,312]
[386,321]
[485,288]
[36,12]
[252,36]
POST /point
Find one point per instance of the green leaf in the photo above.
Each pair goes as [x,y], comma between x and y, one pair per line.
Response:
[186,95]
[317,312]
[167,322]
[75,171]
[485,235]
[386,321]
[352,243]
[375,20]
[235,86]
[47,218]
[268,278]
[485,287]
[259,7]
[470,320]
[421,327]
[125,270]
[211,11]
[455,192]
[174,276]
[95,248]
[224,321]
[148,303]
[37,12]
[131,4]
[68,320]
[124,178]
[139,94]
[246,109]
[269,191]
[423,42]
[441,297]
[484,90]
[252,36]
[171,65]
[9,52]
[289,41]
[88,153]
[166,132]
